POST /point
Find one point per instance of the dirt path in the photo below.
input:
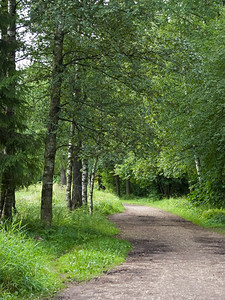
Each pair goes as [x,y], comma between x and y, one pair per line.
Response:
[171,259]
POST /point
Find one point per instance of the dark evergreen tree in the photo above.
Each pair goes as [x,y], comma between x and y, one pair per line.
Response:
[15,145]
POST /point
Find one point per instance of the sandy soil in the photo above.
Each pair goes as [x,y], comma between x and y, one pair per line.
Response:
[171,259]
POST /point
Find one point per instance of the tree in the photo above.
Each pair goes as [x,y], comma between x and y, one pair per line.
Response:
[184,116]
[77,177]
[8,102]
[87,43]
[50,143]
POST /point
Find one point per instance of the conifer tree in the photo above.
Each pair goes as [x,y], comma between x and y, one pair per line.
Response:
[15,146]
[8,101]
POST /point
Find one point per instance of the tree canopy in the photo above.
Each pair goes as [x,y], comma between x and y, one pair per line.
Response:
[135,89]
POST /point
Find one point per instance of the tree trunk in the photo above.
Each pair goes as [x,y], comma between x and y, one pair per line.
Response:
[14,201]
[77,178]
[117,180]
[127,187]
[100,185]
[8,204]
[159,184]
[7,197]
[92,182]
[50,142]
[198,167]
[2,199]
[84,181]
[69,168]
[168,187]
[63,175]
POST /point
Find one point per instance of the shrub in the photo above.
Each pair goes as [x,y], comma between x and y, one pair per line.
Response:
[207,193]
[214,216]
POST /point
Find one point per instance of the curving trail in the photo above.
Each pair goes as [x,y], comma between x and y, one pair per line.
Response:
[171,259]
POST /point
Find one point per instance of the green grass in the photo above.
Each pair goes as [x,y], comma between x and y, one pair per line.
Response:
[203,215]
[76,247]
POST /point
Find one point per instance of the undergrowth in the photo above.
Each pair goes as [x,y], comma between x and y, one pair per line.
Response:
[35,261]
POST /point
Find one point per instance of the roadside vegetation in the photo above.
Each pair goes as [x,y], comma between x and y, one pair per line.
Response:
[204,214]
[36,261]
[134,103]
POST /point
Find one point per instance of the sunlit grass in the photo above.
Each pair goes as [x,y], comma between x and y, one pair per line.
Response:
[35,260]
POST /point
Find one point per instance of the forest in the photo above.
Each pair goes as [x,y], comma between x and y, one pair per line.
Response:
[122,94]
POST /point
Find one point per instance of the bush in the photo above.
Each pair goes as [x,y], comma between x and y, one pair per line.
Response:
[207,193]
[214,216]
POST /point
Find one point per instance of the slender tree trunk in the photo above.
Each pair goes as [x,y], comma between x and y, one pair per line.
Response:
[14,201]
[159,184]
[2,199]
[127,187]
[100,185]
[84,181]
[63,175]
[69,168]
[77,178]
[92,182]
[4,9]
[117,180]
[197,164]
[198,167]
[168,187]
[50,142]
[7,197]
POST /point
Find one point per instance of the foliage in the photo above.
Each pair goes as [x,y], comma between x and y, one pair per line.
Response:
[207,193]
[145,90]
[188,101]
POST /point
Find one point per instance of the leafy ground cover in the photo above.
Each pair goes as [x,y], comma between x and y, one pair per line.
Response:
[203,215]
[37,261]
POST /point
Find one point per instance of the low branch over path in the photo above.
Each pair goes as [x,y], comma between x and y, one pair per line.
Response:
[171,259]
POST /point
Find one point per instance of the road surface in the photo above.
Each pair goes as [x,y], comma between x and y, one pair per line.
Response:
[171,259]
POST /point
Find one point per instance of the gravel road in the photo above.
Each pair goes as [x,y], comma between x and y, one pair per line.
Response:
[171,259]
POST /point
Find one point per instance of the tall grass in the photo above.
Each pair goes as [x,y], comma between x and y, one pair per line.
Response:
[25,269]
[35,261]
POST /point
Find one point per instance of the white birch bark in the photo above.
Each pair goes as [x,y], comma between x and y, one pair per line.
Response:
[84,181]
[69,168]
[92,182]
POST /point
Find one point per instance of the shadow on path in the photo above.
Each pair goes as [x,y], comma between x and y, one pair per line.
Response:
[171,259]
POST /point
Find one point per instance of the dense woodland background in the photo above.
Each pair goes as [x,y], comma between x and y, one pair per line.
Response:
[129,94]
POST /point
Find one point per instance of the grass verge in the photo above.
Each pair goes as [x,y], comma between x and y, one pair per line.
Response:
[37,261]
[203,215]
